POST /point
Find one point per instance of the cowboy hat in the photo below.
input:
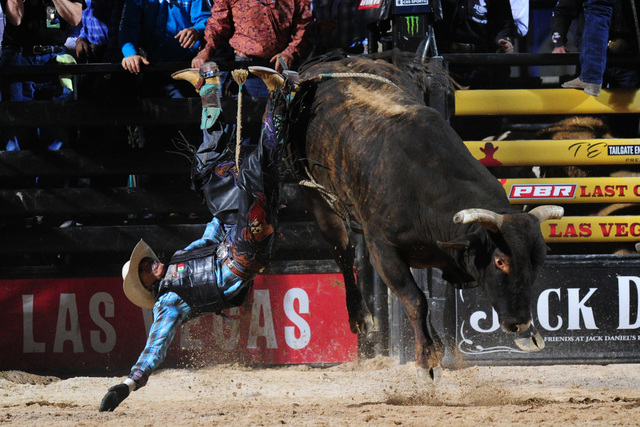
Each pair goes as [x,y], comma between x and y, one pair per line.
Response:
[133,287]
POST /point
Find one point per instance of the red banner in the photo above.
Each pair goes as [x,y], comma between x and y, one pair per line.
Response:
[88,324]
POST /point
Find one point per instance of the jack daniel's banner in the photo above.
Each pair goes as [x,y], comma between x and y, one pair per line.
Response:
[586,308]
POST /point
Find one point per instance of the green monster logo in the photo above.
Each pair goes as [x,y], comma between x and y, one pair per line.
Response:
[413,25]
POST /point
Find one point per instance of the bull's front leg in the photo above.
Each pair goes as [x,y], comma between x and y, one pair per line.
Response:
[397,275]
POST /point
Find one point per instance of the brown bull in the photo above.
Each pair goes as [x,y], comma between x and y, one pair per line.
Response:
[394,166]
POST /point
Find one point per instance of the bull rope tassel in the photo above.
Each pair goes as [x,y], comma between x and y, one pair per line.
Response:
[239,76]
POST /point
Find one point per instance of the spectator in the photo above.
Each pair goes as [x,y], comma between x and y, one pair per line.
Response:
[35,33]
[624,34]
[215,272]
[98,39]
[593,51]
[258,29]
[3,22]
[336,25]
[72,39]
[97,42]
[565,14]
[622,39]
[477,26]
[520,9]
[153,32]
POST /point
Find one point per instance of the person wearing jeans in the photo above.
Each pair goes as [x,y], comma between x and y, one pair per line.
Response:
[593,49]
[34,35]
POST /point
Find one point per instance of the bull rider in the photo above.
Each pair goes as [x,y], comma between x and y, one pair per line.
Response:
[215,272]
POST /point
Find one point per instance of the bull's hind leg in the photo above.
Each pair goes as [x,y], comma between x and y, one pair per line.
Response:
[334,231]
[397,275]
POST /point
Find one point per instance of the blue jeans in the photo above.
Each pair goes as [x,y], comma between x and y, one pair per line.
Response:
[626,76]
[593,52]
[15,88]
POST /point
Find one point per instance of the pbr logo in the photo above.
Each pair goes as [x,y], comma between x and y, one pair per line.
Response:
[543,191]
[369,4]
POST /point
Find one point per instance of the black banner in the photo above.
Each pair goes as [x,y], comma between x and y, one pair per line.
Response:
[585,307]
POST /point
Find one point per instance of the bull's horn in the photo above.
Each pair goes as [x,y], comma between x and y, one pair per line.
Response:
[192,75]
[484,217]
[546,212]
[269,76]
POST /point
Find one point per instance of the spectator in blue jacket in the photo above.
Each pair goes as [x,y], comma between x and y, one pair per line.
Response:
[164,31]
[153,31]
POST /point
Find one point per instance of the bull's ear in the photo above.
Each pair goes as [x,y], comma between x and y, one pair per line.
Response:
[461,243]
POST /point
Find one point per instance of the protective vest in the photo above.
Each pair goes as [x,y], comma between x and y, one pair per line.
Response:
[193,279]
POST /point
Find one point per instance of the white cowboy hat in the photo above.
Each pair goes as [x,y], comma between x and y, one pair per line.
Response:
[133,287]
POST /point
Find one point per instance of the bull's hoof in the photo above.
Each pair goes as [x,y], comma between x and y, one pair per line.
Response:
[369,328]
[373,337]
[432,375]
[530,341]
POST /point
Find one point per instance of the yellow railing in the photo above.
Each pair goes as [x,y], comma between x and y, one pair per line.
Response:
[556,152]
[575,152]
[545,101]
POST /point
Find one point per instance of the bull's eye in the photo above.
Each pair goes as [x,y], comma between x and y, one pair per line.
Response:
[501,263]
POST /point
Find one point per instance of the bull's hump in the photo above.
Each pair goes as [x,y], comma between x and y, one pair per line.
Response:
[381,102]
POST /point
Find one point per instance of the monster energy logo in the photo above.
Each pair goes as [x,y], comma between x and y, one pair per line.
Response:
[413,25]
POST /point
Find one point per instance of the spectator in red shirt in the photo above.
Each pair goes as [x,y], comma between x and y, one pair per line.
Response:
[258,29]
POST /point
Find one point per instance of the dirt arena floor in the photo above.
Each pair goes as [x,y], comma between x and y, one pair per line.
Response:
[374,392]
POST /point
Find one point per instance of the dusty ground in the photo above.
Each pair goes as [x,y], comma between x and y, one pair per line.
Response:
[372,392]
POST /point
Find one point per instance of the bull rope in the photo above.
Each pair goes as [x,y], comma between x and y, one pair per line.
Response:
[327,76]
[332,200]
